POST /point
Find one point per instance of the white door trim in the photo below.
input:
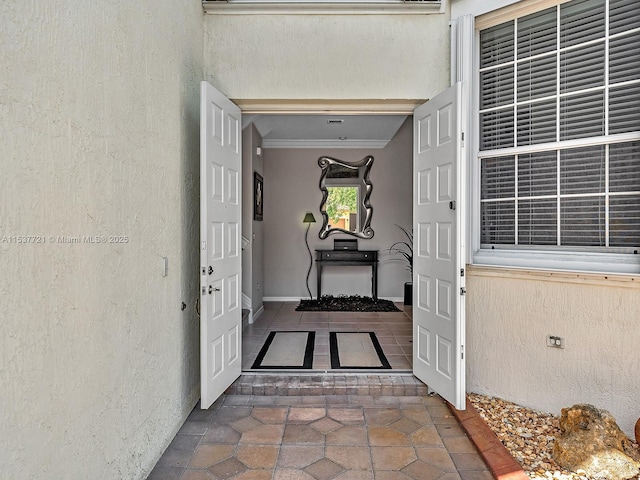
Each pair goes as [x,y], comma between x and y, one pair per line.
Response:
[327,107]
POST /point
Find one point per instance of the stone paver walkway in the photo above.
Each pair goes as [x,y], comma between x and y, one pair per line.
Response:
[322,437]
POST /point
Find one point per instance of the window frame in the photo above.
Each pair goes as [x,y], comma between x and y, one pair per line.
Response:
[530,257]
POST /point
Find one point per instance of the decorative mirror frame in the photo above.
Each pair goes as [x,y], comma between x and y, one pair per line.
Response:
[365,230]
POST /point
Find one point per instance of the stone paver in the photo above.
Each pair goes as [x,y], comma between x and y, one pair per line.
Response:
[342,437]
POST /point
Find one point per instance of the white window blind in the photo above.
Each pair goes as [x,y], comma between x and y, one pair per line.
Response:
[559,121]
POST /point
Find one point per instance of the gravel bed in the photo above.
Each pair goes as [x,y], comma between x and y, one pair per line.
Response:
[527,434]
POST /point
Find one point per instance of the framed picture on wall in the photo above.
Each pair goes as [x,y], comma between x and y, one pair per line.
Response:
[258,197]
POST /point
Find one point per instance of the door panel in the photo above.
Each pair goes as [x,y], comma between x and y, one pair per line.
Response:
[438,313]
[220,262]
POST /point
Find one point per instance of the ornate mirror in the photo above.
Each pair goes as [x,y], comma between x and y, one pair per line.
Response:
[346,190]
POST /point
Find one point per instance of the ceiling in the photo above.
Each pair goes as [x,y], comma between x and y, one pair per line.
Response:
[322,131]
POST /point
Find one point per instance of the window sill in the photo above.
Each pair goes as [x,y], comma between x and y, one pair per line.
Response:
[615,280]
[601,269]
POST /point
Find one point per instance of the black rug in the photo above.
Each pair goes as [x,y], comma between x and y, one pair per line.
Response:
[356,350]
[286,350]
[343,303]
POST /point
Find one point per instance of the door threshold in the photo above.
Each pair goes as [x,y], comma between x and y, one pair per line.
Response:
[312,383]
[301,373]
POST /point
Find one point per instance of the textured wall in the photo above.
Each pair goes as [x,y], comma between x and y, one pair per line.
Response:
[252,256]
[327,57]
[508,318]
[291,179]
[99,114]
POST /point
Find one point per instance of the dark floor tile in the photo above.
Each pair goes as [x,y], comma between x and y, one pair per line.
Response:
[165,473]
[194,428]
[199,415]
[174,457]
[217,433]
[185,442]
[197,474]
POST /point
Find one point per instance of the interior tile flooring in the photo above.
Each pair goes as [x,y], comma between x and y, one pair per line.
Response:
[394,331]
[324,425]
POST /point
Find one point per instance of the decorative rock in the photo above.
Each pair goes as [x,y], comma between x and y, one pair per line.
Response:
[638,432]
[591,440]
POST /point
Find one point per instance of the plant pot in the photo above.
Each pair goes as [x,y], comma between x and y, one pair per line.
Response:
[408,293]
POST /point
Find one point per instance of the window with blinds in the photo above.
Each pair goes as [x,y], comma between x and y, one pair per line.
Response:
[559,129]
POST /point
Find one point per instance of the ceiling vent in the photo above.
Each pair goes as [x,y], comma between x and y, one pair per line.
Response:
[335,121]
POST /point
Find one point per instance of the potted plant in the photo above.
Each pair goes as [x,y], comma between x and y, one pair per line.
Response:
[404,248]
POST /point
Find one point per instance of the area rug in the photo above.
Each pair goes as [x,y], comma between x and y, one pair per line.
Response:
[356,350]
[343,303]
[286,350]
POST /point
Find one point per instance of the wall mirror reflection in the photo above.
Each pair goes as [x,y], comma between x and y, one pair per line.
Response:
[346,191]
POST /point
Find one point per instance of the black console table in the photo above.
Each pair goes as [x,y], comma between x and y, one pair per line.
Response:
[348,258]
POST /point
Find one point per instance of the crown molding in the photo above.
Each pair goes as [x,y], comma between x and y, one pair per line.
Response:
[287,143]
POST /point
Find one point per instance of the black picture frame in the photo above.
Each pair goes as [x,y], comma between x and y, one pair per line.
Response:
[258,196]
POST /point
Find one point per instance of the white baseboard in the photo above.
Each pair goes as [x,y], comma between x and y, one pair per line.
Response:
[257,314]
[281,299]
[246,302]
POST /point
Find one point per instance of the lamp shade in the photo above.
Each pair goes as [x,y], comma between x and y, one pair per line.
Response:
[309,218]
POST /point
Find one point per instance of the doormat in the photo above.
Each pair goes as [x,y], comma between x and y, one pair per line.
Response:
[343,303]
[356,350]
[286,350]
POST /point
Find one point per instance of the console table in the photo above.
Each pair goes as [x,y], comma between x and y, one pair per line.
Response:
[348,258]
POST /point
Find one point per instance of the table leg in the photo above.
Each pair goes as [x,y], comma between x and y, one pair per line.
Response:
[319,279]
[374,280]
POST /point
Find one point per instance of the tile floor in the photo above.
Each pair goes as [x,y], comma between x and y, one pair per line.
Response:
[341,437]
[323,424]
[393,329]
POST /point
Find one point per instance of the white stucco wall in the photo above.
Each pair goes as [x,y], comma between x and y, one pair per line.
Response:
[99,108]
[327,56]
[509,315]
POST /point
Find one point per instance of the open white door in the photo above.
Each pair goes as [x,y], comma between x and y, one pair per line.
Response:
[438,263]
[220,257]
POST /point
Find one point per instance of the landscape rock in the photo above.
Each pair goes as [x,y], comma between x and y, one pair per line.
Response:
[591,441]
[638,432]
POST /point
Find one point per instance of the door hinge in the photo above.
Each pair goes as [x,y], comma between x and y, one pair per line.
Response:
[462,138]
[452,205]
[463,291]
[462,352]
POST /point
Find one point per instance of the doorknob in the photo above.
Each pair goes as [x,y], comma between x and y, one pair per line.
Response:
[210,269]
[211,289]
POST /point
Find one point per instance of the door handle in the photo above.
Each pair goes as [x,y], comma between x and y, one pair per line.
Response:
[211,289]
[210,270]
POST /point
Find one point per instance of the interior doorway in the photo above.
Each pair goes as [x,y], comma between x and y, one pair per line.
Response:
[393,331]
[339,132]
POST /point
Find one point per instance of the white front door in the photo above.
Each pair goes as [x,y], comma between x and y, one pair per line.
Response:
[438,265]
[220,255]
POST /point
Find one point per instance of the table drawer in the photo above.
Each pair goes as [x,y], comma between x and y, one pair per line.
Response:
[347,255]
